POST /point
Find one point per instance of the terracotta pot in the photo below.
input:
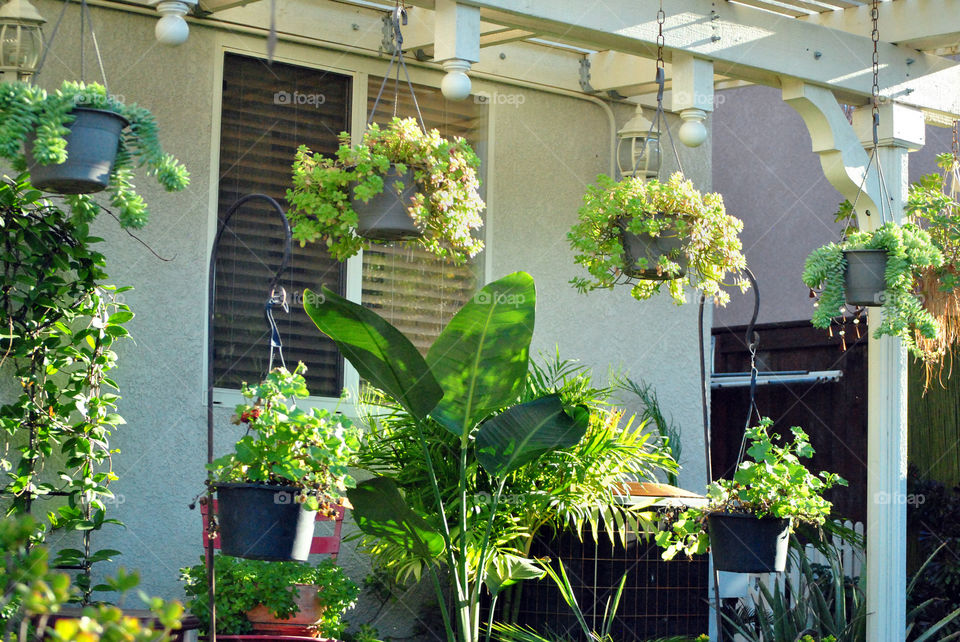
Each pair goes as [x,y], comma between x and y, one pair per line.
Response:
[302,623]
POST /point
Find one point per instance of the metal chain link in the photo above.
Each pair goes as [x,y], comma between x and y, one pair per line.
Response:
[661,16]
[955,148]
[875,36]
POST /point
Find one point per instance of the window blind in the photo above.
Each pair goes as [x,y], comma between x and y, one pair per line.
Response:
[408,286]
[268,110]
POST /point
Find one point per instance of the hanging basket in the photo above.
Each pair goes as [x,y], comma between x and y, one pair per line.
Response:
[303,623]
[263,522]
[384,217]
[91,150]
[864,280]
[638,246]
[743,543]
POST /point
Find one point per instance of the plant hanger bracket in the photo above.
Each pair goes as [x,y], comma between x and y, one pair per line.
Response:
[399,19]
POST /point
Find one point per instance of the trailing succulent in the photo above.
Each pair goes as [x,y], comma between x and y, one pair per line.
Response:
[244,584]
[446,207]
[909,250]
[710,242]
[771,483]
[27,109]
[291,446]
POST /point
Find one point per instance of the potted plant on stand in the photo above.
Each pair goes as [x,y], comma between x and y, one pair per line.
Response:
[291,463]
[747,520]
[654,233]
[399,183]
[878,268]
[278,598]
[78,140]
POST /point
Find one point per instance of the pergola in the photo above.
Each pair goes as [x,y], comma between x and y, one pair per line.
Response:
[819,53]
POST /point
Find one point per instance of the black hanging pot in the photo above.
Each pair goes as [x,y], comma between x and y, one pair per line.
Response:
[91,150]
[638,246]
[384,217]
[864,279]
[743,543]
[263,522]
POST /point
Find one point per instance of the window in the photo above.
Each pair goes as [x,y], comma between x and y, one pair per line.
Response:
[267,112]
[265,117]
[407,286]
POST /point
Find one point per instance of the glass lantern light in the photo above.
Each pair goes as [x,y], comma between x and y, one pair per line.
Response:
[21,41]
[638,147]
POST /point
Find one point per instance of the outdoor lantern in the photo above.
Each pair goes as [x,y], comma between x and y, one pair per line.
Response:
[21,40]
[638,147]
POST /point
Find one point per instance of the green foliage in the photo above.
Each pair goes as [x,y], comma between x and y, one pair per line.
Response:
[244,584]
[446,207]
[31,593]
[710,241]
[59,325]
[771,483]
[932,204]
[652,412]
[288,445]
[26,109]
[485,347]
[909,250]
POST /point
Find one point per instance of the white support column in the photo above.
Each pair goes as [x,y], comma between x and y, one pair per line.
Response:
[902,130]
[692,96]
[844,161]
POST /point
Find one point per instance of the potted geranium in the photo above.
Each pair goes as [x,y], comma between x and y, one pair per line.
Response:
[79,140]
[653,233]
[747,520]
[271,598]
[877,268]
[400,183]
[291,463]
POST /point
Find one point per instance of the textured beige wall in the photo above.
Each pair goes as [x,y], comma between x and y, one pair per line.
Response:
[545,152]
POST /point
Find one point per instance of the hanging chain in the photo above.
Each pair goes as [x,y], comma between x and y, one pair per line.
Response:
[875,36]
[955,148]
[661,16]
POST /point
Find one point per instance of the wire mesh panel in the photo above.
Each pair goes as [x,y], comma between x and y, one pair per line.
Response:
[659,599]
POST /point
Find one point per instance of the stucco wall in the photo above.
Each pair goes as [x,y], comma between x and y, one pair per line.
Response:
[770,178]
[544,152]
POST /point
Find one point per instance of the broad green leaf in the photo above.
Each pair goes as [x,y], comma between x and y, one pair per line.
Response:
[379,352]
[505,569]
[523,432]
[380,510]
[480,358]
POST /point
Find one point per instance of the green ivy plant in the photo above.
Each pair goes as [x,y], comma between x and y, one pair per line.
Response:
[244,584]
[710,242]
[772,482]
[289,445]
[27,108]
[446,208]
[909,250]
[58,326]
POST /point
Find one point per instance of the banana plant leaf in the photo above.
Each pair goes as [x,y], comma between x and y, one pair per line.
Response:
[380,510]
[480,358]
[379,352]
[523,432]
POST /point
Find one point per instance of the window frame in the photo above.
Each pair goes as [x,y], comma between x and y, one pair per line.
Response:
[359,69]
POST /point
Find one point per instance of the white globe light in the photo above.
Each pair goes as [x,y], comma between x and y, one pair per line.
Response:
[456,85]
[171,30]
[692,133]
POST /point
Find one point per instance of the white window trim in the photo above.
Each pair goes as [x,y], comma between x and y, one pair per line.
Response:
[359,69]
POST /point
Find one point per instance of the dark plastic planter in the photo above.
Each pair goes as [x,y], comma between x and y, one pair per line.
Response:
[743,543]
[384,217]
[262,522]
[637,246]
[864,279]
[91,151]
